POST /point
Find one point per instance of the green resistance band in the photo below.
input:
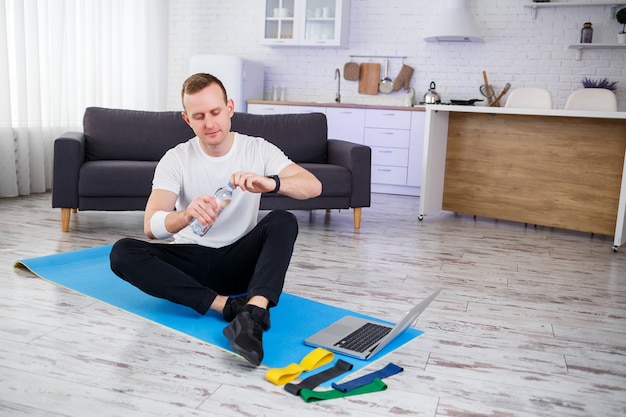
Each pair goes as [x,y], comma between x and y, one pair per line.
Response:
[310,396]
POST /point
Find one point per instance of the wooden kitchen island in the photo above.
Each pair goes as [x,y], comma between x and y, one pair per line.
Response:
[555,168]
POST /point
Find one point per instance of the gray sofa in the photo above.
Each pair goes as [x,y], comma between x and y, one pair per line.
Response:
[110,165]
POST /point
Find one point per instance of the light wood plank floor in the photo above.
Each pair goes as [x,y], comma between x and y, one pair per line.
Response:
[531,321]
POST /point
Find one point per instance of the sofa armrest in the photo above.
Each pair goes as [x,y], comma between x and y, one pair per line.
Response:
[358,159]
[69,156]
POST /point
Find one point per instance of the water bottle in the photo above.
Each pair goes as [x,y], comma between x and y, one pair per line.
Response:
[222,197]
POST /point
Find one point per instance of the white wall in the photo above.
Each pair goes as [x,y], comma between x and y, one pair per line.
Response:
[517,49]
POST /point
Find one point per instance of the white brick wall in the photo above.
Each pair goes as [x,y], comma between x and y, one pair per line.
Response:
[517,49]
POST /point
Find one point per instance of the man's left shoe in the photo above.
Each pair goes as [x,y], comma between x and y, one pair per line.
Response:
[245,333]
[233,307]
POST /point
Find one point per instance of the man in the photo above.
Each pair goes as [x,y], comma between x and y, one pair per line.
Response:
[238,255]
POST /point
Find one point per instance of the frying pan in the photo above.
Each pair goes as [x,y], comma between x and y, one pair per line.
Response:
[465,102]
[386,84]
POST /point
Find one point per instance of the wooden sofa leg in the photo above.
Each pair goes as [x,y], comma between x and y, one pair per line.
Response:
[357,217]
[65,219]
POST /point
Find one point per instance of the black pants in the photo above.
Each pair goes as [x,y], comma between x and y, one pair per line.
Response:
[193,275]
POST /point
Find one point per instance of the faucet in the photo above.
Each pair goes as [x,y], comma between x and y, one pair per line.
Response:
[338,78]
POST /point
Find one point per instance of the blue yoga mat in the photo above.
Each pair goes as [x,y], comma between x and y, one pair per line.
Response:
[87,271]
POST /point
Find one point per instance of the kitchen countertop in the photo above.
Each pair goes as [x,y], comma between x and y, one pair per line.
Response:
[528,112]
[338,105]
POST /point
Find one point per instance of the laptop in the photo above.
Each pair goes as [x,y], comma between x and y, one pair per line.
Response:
[363,338]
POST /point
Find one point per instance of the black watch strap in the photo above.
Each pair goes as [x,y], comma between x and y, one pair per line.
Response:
[314,380]
[275,178]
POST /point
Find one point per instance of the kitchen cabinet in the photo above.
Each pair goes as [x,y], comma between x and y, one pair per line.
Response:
[387,132]
[396,137]
[306,22]
[268,108]
[345,124]
[256,108]
[305,109]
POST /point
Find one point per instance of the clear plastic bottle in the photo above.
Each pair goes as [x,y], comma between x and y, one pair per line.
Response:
[222,197]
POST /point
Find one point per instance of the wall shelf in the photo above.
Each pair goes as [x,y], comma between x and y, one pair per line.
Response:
[612,4]
[580,46]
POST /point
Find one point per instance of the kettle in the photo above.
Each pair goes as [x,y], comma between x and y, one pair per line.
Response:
[431,97]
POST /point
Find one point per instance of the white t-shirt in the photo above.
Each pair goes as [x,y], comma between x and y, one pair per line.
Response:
[188,171]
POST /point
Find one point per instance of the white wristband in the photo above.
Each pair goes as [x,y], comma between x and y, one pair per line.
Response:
[157,225]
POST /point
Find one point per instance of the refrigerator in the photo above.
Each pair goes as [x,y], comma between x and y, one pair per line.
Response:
[242,78]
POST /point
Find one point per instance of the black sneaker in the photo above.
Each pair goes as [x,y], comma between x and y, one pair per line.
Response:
[245,333]
[233,307]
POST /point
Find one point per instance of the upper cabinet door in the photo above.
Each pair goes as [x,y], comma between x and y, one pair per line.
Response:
[280,23]
[306,23]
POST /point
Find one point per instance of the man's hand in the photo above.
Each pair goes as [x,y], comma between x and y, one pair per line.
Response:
[204,209]
[252,182]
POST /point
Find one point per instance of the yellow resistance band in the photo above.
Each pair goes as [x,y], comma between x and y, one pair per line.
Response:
[318,357]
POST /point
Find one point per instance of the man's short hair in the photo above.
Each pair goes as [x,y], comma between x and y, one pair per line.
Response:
[198,82]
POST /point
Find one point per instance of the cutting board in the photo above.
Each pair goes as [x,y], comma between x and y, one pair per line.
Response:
[369,77]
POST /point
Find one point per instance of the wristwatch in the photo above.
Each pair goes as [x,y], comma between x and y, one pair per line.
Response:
[275,178]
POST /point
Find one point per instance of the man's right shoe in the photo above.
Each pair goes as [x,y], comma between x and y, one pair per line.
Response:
[245,333]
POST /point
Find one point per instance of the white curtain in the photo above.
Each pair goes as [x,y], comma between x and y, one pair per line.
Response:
[58,57]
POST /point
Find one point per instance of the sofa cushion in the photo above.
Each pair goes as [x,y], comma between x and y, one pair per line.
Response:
[302,137]
[116,178]
[132,135]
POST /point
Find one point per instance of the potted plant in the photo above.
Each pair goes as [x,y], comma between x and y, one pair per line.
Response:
[621,18]
[601,83]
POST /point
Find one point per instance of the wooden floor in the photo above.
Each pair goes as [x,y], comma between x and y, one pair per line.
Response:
[530,322]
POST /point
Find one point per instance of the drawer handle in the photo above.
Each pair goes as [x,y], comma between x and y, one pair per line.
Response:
[384,170]
[385,151]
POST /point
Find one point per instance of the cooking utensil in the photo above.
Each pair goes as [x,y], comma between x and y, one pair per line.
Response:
[386,83]
[483,90]
[431,97]
[369,77]
[351,71]
[403,79]
[488,91]
[496,101]
[465,102]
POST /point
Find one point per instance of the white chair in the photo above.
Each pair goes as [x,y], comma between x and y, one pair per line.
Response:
[597,99]
[529,98]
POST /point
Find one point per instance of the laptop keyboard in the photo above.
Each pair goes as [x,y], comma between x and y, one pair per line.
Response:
[363,337]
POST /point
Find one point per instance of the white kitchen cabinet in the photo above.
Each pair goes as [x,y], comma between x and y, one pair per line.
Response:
[306,22]
[387,132]
[305,109]
[255,108]
[345,123]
